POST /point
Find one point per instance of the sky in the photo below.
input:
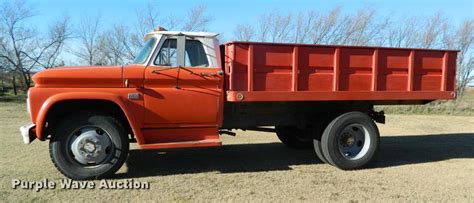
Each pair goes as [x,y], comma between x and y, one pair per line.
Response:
[227,14]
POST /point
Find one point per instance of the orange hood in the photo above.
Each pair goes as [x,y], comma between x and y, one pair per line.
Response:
[80,77]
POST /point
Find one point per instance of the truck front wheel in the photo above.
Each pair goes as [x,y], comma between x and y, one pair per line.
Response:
[89,145]
[350,141]
[293,137]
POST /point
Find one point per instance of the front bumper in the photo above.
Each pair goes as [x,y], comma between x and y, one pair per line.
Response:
[28,133]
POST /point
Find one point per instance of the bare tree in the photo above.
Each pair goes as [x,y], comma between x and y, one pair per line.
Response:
[281,27]
[121,37]
[23,48]
[59,32]
[116,46]
[244,32]
[363,28]
[431,31]
[367,27]
[147,20]
[325,27]
[404,35]
[275,27]
[197,19]
[358,29]
[304,23]
[3,73]
[88,36]
[265,22]
[464,40]
[16,37]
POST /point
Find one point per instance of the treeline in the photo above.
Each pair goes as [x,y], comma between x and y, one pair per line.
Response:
[24,50]
[368,28]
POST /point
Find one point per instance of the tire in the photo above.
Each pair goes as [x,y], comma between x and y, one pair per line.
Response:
[318,133]
[293,137]
[350,141]
[89,145]
[319,151]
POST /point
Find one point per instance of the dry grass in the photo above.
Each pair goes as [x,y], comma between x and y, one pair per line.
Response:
[421,158]
[463,106]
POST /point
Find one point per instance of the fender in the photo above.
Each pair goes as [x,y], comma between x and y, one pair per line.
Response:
[105,96]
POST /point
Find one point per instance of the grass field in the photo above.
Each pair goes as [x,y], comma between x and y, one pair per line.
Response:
[460,106]
[421,158]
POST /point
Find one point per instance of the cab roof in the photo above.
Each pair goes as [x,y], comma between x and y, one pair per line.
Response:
[194,34]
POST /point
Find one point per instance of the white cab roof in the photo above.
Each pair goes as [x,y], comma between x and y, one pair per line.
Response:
[195,34]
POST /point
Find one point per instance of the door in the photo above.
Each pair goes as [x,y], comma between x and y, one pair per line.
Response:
[182,87]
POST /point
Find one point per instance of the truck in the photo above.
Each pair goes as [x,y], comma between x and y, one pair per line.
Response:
[185,89]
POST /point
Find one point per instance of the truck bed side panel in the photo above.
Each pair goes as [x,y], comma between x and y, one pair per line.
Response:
[296,72]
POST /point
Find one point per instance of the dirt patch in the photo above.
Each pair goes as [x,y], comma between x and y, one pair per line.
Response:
[421,158]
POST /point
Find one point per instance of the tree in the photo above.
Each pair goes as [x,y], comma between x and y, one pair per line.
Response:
[115,45]
[3,73]
[59,32]
[197,19]
[464,40]
[23,48]
[244,32]
[325,27]
[404,35]
[303,26]
[89,36]
[366,27]
[431,31]
[149,18]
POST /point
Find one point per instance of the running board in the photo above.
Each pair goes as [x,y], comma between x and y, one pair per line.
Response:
[187,144]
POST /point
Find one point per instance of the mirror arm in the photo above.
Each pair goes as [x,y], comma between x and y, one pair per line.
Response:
[177,78]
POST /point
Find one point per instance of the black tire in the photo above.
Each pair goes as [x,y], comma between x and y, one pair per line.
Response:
[340,135]
[293,137]
[318,133]
[319,151]
[63,157]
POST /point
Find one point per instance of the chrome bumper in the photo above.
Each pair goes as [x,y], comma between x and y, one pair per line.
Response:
[28,133]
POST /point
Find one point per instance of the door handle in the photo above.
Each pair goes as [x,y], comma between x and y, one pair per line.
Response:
[207,74]
[219,73]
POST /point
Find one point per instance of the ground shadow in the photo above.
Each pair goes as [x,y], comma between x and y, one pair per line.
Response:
[403,150]
[394,151]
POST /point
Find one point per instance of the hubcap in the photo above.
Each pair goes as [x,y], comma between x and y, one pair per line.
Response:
[354,141]
[90,145]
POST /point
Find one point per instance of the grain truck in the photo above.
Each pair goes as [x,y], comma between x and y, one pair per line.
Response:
[185,89]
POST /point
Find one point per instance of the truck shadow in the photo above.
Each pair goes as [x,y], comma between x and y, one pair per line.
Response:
[394,151]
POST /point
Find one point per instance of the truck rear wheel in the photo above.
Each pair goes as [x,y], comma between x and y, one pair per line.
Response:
[293,137]
[89,145]
[350,141]
[320,126]
[319,150]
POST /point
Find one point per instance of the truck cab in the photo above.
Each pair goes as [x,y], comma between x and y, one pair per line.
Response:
[182,87]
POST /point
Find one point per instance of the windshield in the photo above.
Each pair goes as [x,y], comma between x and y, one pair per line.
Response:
[146,50]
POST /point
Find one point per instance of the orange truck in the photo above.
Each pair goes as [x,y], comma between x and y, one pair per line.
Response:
[184,89]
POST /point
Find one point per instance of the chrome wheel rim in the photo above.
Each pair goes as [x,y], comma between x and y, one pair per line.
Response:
[91,145]
[354,141]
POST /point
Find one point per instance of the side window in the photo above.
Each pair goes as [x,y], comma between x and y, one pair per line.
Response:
[195,55]
[167,54]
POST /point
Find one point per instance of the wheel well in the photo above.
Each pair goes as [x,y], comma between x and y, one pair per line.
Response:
[63,108]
